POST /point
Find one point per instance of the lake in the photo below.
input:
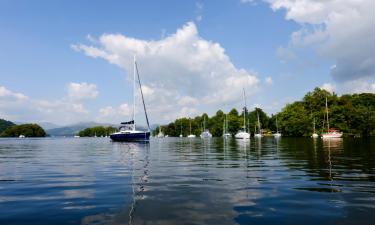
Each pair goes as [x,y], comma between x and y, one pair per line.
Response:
[187,181]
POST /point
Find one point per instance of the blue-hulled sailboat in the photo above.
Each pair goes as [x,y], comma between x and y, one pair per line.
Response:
[127,130]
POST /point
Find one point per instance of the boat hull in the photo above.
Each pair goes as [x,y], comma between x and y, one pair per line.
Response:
[130,137]
[242,135]
[331,135]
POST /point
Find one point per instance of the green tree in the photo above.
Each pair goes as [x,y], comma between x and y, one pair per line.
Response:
[28,130]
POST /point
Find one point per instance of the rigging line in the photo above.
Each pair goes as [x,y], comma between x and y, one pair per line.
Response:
[143,100]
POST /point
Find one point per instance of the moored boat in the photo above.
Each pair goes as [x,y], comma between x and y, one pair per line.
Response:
[242,133]
[331,133]
[128,131]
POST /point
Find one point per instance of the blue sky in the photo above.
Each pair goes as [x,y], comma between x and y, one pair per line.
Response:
[47,73]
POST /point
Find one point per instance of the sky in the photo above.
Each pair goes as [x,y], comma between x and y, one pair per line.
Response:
[72,61]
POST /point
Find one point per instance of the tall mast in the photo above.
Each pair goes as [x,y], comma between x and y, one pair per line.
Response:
[226,123]
[327,115]
[134,92]
[258,121]
[244,110]
[190,125]
[314,125]
[277,126]
[224,127]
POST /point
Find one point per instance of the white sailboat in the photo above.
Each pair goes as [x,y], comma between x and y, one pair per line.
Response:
[160,134]
[181,131]
[191,135]
[314,135]
[277,134]
[259,134]
[226,134]
[243,134]
[331,133]
[206,133]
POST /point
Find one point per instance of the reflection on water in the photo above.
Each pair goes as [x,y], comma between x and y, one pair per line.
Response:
[187,181]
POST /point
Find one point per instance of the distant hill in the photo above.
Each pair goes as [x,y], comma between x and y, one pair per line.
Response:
[4,124]
[73,129]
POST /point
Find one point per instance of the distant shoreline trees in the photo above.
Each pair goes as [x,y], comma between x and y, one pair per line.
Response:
[97,131]
[28,130]
[353,114]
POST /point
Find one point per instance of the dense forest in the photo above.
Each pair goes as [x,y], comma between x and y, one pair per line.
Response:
[352,114]
[4,124]
[28,130]
[97,131]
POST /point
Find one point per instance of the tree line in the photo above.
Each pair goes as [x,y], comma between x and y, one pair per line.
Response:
[97,131]
[28,130]
[353,114]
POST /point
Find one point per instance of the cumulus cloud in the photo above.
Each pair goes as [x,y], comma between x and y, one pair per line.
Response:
[6,94]
[120,113]
[328,87]
[182,68]
[339,29]
[81,91]
[19,107]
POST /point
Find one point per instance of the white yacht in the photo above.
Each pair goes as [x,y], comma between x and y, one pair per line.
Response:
[314,135]
[206,133]
[277,134]
[226,134]
[331,133]
[259,134]
[160,134]
[191,135]
[243,134]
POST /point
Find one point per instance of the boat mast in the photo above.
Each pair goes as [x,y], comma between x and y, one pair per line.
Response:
[327,115]
[143,100]
[277,127]
[226,123]
[314,125]
[244,111]
[190,125]
[258,121]
[224,127]
[204,123]
[134,92]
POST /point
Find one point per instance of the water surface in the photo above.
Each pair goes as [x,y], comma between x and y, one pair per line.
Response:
[187,181]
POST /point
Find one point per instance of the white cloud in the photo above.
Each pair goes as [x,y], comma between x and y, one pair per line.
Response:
[269,80]
[339,29]
[176,69]
[115,114]
[18,107]
[6,94]
[81,91]
[357,86]
[328,87]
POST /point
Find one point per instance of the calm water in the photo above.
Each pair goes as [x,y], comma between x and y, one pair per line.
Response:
[182,181]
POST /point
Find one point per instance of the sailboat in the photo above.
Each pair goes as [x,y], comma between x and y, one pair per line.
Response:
[160,134]
[181,131]
[243,134]
[206,133]
[128,131]
[314,135]
[191,135]
[331,133]
[226,134]
[277,134]
[259,134]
